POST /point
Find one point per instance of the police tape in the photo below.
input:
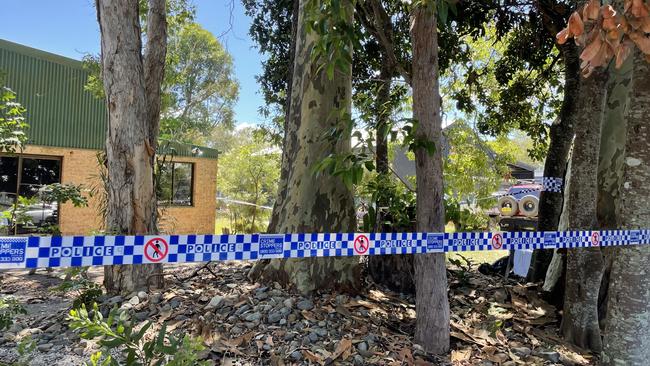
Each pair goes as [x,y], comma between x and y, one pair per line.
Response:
[551,184]
[73,251]
[547,184]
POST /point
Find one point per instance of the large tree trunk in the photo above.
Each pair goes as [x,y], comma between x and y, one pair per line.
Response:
[561,136]
[432,305]
[132,90]
[585,265]
[314,204]
[627,328]
[610,165]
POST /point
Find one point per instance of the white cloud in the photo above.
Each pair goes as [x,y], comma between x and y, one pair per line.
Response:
[244,125]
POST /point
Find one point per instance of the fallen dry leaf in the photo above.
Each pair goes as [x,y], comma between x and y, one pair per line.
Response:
[342,348]
[461,355]
[406,355]
[309,315]
[313,357]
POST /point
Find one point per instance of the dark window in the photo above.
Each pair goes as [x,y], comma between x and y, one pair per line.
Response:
[175,182]
[24,176]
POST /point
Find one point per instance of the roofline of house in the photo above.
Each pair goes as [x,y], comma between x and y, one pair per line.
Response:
[522,165]
[182,149]
[34,52]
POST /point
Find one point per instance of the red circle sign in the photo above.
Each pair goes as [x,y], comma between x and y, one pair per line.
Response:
[156,249]
[595,239]
[497,241]
[361,244]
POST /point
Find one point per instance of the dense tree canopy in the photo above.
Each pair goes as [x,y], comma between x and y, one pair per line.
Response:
[199,89]
[249,172]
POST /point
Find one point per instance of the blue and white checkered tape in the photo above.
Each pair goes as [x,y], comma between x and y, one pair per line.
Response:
[72,251]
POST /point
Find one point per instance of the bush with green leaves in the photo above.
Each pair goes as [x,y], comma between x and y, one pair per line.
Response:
[25,349]
[76,279]
[117,332]
[9,308]
[398,211]
[12,123]
[63,193]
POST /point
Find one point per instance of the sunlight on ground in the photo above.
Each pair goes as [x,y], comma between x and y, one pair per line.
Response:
[221,223]
[484,256]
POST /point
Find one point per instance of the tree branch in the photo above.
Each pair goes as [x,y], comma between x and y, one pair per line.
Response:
[154,64]
[374,18]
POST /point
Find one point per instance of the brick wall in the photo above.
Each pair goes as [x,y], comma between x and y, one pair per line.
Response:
[79,166]
[198,219]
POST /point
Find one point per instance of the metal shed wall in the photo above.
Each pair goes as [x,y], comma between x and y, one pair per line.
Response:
[60,111]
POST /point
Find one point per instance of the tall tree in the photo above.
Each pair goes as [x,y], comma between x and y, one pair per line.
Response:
[377,96]
[132,87]
[628,307]
[580,323]
[249,172]
[432,305]
[199,87]
[555,166]
[320,104]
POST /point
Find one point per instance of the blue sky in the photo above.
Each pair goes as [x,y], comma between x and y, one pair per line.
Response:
[69,28]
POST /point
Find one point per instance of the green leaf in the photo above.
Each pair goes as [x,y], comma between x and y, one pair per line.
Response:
[142,331]
[161,336]
[112,342]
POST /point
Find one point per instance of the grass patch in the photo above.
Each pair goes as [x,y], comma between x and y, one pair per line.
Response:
[220,223]
[483,256]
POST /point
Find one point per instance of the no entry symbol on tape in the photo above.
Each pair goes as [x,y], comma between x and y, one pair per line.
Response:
[156,249]
[361,244]
[497,241]
[595,239]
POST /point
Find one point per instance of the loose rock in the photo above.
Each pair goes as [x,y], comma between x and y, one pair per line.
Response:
[305,305]
[549,356]
[45,347]
[296,355]
[143,296]
[215,302]
[522,351]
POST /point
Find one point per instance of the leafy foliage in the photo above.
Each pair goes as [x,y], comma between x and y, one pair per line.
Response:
[398,211]
[198,90]
[471,168]
[76,279]
[9,308]
[336,37]
[249,173]
[17,215]
[63,193]
[117,332]
[58,193]
[12,123]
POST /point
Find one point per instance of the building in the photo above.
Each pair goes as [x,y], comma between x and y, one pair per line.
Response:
[68,131]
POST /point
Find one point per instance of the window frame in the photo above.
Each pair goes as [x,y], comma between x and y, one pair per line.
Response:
[19,173]
[170,201]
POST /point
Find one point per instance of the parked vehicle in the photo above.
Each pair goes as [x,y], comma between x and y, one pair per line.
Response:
[518,209]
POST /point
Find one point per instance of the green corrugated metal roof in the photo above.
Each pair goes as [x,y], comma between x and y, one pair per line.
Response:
[60,111]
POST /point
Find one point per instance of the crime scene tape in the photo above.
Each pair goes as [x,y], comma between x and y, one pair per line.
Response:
[547,184]
[72,251]
[550,184]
